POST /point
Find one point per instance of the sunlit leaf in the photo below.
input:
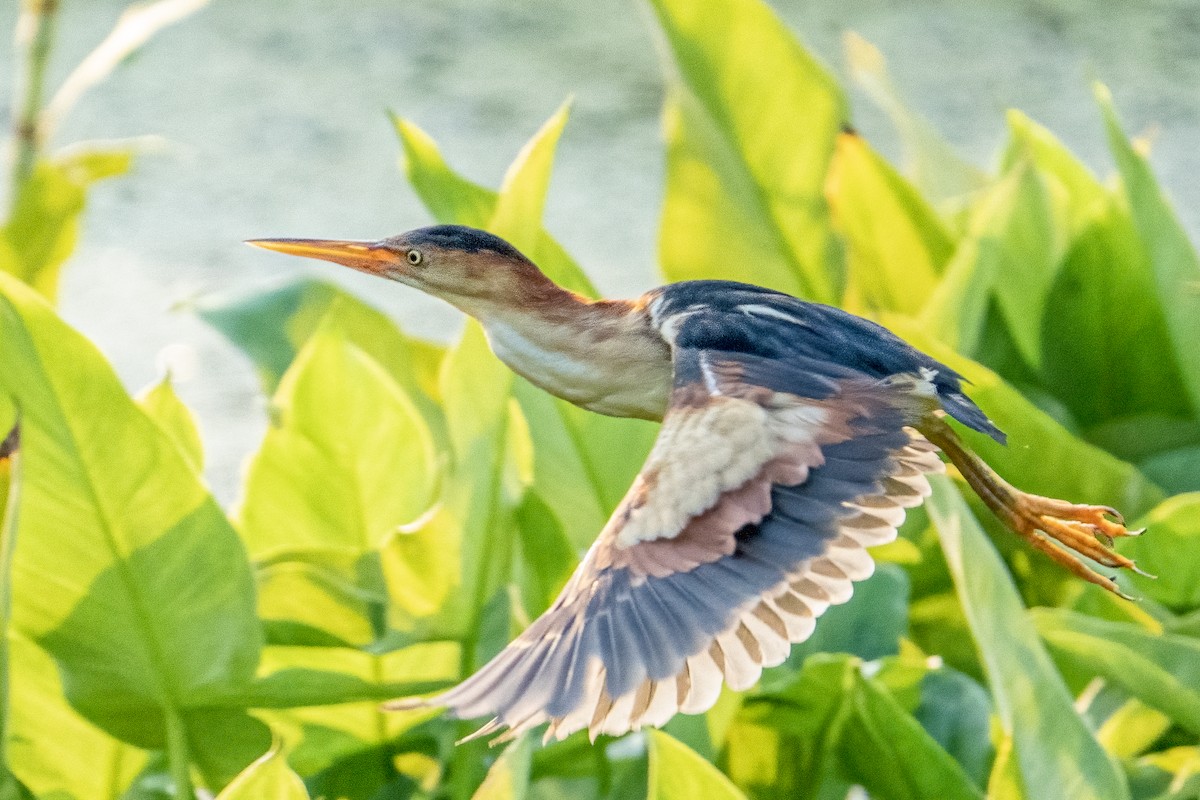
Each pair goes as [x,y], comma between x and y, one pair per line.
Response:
[1171,550]
[744,194]
[268,778]
[1132,729]
[43,224]
[1175,262]
[52,749]
[508,778]
[151,614]
[177,421]
[453,199]
[272,326]
[1055,752]
[346,460]
[896,247]
[928,159]
[677,773]
[888,752]
[1163,671]
[328,699]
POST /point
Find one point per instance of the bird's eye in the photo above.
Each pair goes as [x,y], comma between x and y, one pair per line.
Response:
[414,257]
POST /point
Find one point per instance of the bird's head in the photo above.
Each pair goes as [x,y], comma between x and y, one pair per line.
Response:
[456,263]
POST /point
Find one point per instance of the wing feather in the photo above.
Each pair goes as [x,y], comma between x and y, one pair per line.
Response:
[750,518]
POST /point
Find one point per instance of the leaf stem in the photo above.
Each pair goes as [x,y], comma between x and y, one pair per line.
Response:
[10,463]
[178,756]
[35,29]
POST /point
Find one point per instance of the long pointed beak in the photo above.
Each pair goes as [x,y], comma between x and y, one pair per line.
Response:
[369,257]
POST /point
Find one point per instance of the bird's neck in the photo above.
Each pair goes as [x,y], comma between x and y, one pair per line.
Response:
[604,355]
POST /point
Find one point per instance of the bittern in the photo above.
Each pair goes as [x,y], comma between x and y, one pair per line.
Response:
[794,436]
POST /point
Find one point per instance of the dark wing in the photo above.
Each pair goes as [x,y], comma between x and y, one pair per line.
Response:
[749,519]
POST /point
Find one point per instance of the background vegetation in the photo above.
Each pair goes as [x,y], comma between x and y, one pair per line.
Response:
[412,507]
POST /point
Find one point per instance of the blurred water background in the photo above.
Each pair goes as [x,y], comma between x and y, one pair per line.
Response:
[272,118]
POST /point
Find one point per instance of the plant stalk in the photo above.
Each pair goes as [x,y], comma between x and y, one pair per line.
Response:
[178,756]
[35,29]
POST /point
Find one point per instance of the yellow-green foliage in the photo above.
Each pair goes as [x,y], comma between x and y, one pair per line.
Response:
[412,507]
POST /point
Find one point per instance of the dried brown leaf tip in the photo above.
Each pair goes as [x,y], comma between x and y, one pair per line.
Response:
[11,443]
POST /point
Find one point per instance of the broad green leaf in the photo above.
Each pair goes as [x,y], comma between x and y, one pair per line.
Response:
[477,389]
[268,778]
[745,176]
[1082,193]
[1108,352]
[888,752]
[1171,550]
[547,554]
[1029,249]
[508,778]
[421,563]
[151,610]
[177,421]
[896,247]
[1132,729]
[1177,471]
[1011,252]
[677,773]
[322,596]
[454,199]
[450,197]
[1055,752]
[930,161]
[43,224]
[1175,263]
[1041,456]
[326,699]
[271,328]
[346,461]
[1163,670]
[50,748]
[956,710]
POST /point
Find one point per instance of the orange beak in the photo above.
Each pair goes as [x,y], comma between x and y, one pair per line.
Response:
[369,257]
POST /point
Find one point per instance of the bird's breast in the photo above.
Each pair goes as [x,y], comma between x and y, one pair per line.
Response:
[617,365]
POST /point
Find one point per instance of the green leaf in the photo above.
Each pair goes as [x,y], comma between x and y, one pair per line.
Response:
[50,748]
[677,773]
[271,328]
[1161,670]
[888,752]
[744,177]
[895,244]
[268,778]
[346,461]
[421,563]
[514,212]
[1171,550]
[508,778]
[177,421]
[956,710]
[931,162]
[1177,471]
[324,701]
[151,610]
[1041,456]
[1175,263]
[1055,752]
[43,224]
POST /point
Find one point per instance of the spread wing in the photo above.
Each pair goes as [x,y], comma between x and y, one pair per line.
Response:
[749,519]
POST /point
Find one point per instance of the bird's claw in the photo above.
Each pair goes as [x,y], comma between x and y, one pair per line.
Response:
[1083,530]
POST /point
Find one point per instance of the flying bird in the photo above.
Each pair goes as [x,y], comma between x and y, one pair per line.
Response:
[794,436]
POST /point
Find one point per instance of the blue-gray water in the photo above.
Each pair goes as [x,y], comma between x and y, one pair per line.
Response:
[273,118]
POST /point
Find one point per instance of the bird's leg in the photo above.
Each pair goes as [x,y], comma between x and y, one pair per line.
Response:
[1082,529]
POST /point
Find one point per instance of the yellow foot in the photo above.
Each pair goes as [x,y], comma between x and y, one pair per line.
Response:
[1086,530]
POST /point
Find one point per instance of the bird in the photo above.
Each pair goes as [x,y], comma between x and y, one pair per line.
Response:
[794,436]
